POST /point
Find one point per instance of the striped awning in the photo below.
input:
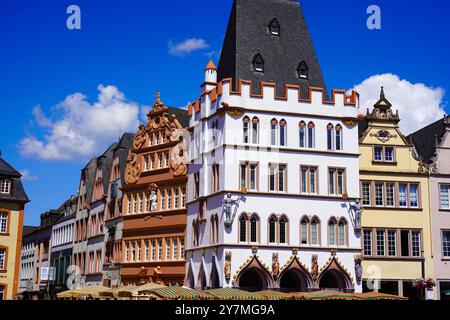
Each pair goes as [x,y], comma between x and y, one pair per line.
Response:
[380,296]
[177,293]
[232,294]
[275,295]
[331,295]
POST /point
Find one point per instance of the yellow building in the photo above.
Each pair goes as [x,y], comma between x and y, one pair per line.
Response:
[12,202]
[396,237]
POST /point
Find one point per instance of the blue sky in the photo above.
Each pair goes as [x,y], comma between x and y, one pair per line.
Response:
[125,44]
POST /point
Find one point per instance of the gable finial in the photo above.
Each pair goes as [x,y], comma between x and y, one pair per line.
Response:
[158,97]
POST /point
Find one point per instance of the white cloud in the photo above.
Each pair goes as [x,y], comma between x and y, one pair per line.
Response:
[417,104]
[187,46]
[83,129]
[26,175]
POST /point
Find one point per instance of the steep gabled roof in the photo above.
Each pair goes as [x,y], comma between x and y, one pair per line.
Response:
[17,193]
[427,139]
[248,35]
[7,170]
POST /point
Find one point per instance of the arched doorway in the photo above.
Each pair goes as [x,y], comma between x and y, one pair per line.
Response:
[214,281]
[252,280]
[332,280]
[293,281]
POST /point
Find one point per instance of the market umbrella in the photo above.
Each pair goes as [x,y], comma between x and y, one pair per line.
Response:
[380,296]
[176,293]
[274,295]
[232,294]
[331,295]
[88,291]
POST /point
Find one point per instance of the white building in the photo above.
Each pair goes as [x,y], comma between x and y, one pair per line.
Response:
[288,156]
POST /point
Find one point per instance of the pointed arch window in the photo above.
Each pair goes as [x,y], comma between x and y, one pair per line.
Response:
[255,130]
[342,233]
[315,231]
[302,70]
[302,134]
[283,225]
[245,128]
[311,135]
[272,229]
[338,135]
[273,132]
[243,228]
[330,136]
[283,132]
[258,63]
[332,232]
[274,27]
[254,226]
[304,232]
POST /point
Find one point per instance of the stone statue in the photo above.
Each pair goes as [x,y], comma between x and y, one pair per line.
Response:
[154,201]
[314,267]
[227,265]
[228,204]
[275,266]
[358,269]
[357,209]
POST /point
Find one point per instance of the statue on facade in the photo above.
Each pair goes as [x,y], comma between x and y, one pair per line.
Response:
[154,201]
[358,269]
[314,267]
[275,266]
[228,204]
[227,265]
[357,212]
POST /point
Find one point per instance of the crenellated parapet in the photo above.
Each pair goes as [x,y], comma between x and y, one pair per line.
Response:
[223,92]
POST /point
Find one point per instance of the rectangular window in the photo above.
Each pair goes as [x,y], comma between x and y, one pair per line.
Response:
[314,233]
[301,135]
[183,197]
[404,237]
[245,137]
[168,249]
[146,165]
[338,139]
[389,154]
[182,249]
[402,195]
[446,243]
[153,250]
[282,178]
[390,194]
[341,234]
[255,139]
[413,196]
[215,178]
[163,199]
[331,178]
[253,171]
[380,243]
[196,185]
[310,137]
[336,181]
[147,251]
[176,198]
[273,134]
[304,179]
[272,178]
[378,153]
[160,250]
[444,190]
[415,243]
[3,222]
[392,243]
[330,139]
[166,159]
[243,176]
[304,232]
[169,199]
[332,234]
[160,160]
[152,158]
[366,186]
[5,186]
[175,249]
[2,259]
[379,194]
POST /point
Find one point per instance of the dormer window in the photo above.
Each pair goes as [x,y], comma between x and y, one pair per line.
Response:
[5,186]
[274,27]
[302,70]
[258,63]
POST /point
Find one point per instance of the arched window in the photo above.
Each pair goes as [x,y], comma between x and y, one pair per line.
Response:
[254,226]
[332,232]
[255,130]
[283,132]
[311,137]
[273,132]
[258,63]
[339,137]
[274,27]
[302,70]
[330,136]
[302,134]
[243,228]
[272,229]
[245,129]
[304,234]
[315,231]
[342,232]
[283,225]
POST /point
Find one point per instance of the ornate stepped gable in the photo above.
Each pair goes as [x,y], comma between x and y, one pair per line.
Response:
[158,121]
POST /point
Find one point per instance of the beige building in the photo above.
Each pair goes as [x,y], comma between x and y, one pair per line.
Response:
[396,235]
[12,203]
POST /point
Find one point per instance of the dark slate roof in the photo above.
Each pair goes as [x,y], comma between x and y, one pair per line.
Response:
[425,139]
[123,147]
[181,114]
[89,174]
[18,193]
[247,34]
[26,230]
[105,162]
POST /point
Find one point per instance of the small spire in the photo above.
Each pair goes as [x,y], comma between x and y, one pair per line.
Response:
[210,65]
[382,93]
[158,97]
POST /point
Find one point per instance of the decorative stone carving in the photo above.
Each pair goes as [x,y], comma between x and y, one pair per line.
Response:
[154,201]
[179,159]
[133,170]
[141,137]
[356,214]
[227,265]
[275,266]
[383,135]
[358,269]
[314,267]
[228,204]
